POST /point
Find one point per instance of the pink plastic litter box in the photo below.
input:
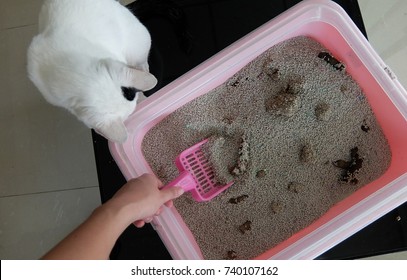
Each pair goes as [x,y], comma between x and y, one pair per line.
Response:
[327,23]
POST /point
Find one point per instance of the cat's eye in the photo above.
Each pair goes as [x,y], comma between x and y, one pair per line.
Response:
[129,93]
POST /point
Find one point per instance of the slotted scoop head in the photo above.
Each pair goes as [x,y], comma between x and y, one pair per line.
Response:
[196,174]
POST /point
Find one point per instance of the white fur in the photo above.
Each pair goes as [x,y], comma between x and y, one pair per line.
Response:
[86,50]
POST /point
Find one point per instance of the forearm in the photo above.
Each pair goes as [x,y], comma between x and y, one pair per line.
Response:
[137,201]
[94,239]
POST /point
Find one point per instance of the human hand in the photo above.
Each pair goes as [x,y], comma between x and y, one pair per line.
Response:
[141,198]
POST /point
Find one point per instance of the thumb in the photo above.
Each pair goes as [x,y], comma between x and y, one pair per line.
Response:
[171,193]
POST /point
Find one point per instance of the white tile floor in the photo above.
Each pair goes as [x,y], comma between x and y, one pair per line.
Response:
[48,180]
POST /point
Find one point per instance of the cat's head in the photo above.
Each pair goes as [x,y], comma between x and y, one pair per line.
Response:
[111,97]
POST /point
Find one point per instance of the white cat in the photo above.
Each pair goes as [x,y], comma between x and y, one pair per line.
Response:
[91,58]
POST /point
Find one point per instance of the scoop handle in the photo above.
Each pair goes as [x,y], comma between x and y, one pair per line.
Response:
[184,180]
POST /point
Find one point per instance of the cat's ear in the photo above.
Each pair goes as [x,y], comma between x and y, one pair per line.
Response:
[129,77]
[138,79]
[114,131]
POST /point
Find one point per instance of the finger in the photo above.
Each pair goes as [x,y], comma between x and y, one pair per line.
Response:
[169,203]
[139,223]
[171,193]
[160,184]
[159,211]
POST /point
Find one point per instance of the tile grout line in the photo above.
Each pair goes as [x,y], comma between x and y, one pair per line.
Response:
[16,27]
[46,192]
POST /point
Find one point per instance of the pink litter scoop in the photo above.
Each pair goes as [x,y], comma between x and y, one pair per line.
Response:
[196,174]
